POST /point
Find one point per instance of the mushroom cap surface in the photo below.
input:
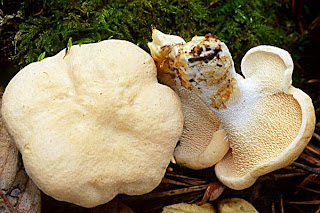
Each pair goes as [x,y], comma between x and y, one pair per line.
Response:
[271,125]
[93,124]
[202,144]
[189,208]
[233,205]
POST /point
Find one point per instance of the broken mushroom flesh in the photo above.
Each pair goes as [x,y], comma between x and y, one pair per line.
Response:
[94,123]
[202,143]
[268,121]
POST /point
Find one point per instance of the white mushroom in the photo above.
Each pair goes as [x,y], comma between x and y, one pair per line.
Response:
[268,121]
[93,124]
[202,143]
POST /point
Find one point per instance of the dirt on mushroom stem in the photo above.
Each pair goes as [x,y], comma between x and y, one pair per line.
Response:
[205,66]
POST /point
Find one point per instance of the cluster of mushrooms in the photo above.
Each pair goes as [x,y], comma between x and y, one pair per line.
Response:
[97,122]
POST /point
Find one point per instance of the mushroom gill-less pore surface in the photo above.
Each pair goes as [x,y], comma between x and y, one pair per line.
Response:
[268,122]
[202,143]
[93,123]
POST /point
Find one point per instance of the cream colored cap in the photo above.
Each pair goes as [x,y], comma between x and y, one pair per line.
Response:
[93,124]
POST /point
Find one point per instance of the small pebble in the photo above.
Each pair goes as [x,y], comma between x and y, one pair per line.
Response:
[15,192]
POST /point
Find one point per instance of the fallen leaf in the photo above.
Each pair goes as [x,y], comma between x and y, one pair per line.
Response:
[213,192]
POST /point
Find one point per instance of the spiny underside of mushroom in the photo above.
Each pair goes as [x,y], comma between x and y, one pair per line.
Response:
[268,121]
[202,143]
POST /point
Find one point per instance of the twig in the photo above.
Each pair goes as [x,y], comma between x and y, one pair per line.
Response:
[294,206]
[310,159]
[307,168]
[314,23]
[7,203]
[211,3]
[309,202]
[273,207]
[279,176]
[311,81]
[311,190]
[300,68]
[195,198]
[293,6]
[299,17]
[308,179]
[38,13]
[300,25]
[318,210]
[187,198]
[281,204]
[255,192]
[292,168]
[186,179]
[178,183]
[174,192]
[316,136]
[313,149]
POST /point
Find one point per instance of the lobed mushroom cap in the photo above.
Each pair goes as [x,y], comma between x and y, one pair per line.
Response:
[271,125]
[202,144]
[93,124]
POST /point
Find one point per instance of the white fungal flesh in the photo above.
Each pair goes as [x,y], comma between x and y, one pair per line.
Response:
[204,64]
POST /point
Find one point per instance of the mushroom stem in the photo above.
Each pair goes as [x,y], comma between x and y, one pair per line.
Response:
[206,67]
[203,65]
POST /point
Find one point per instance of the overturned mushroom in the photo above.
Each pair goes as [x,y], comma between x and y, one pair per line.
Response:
[93,124]
[202,143]
[268,121]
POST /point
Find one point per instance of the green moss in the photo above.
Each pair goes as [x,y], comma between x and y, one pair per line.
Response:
[240,23]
